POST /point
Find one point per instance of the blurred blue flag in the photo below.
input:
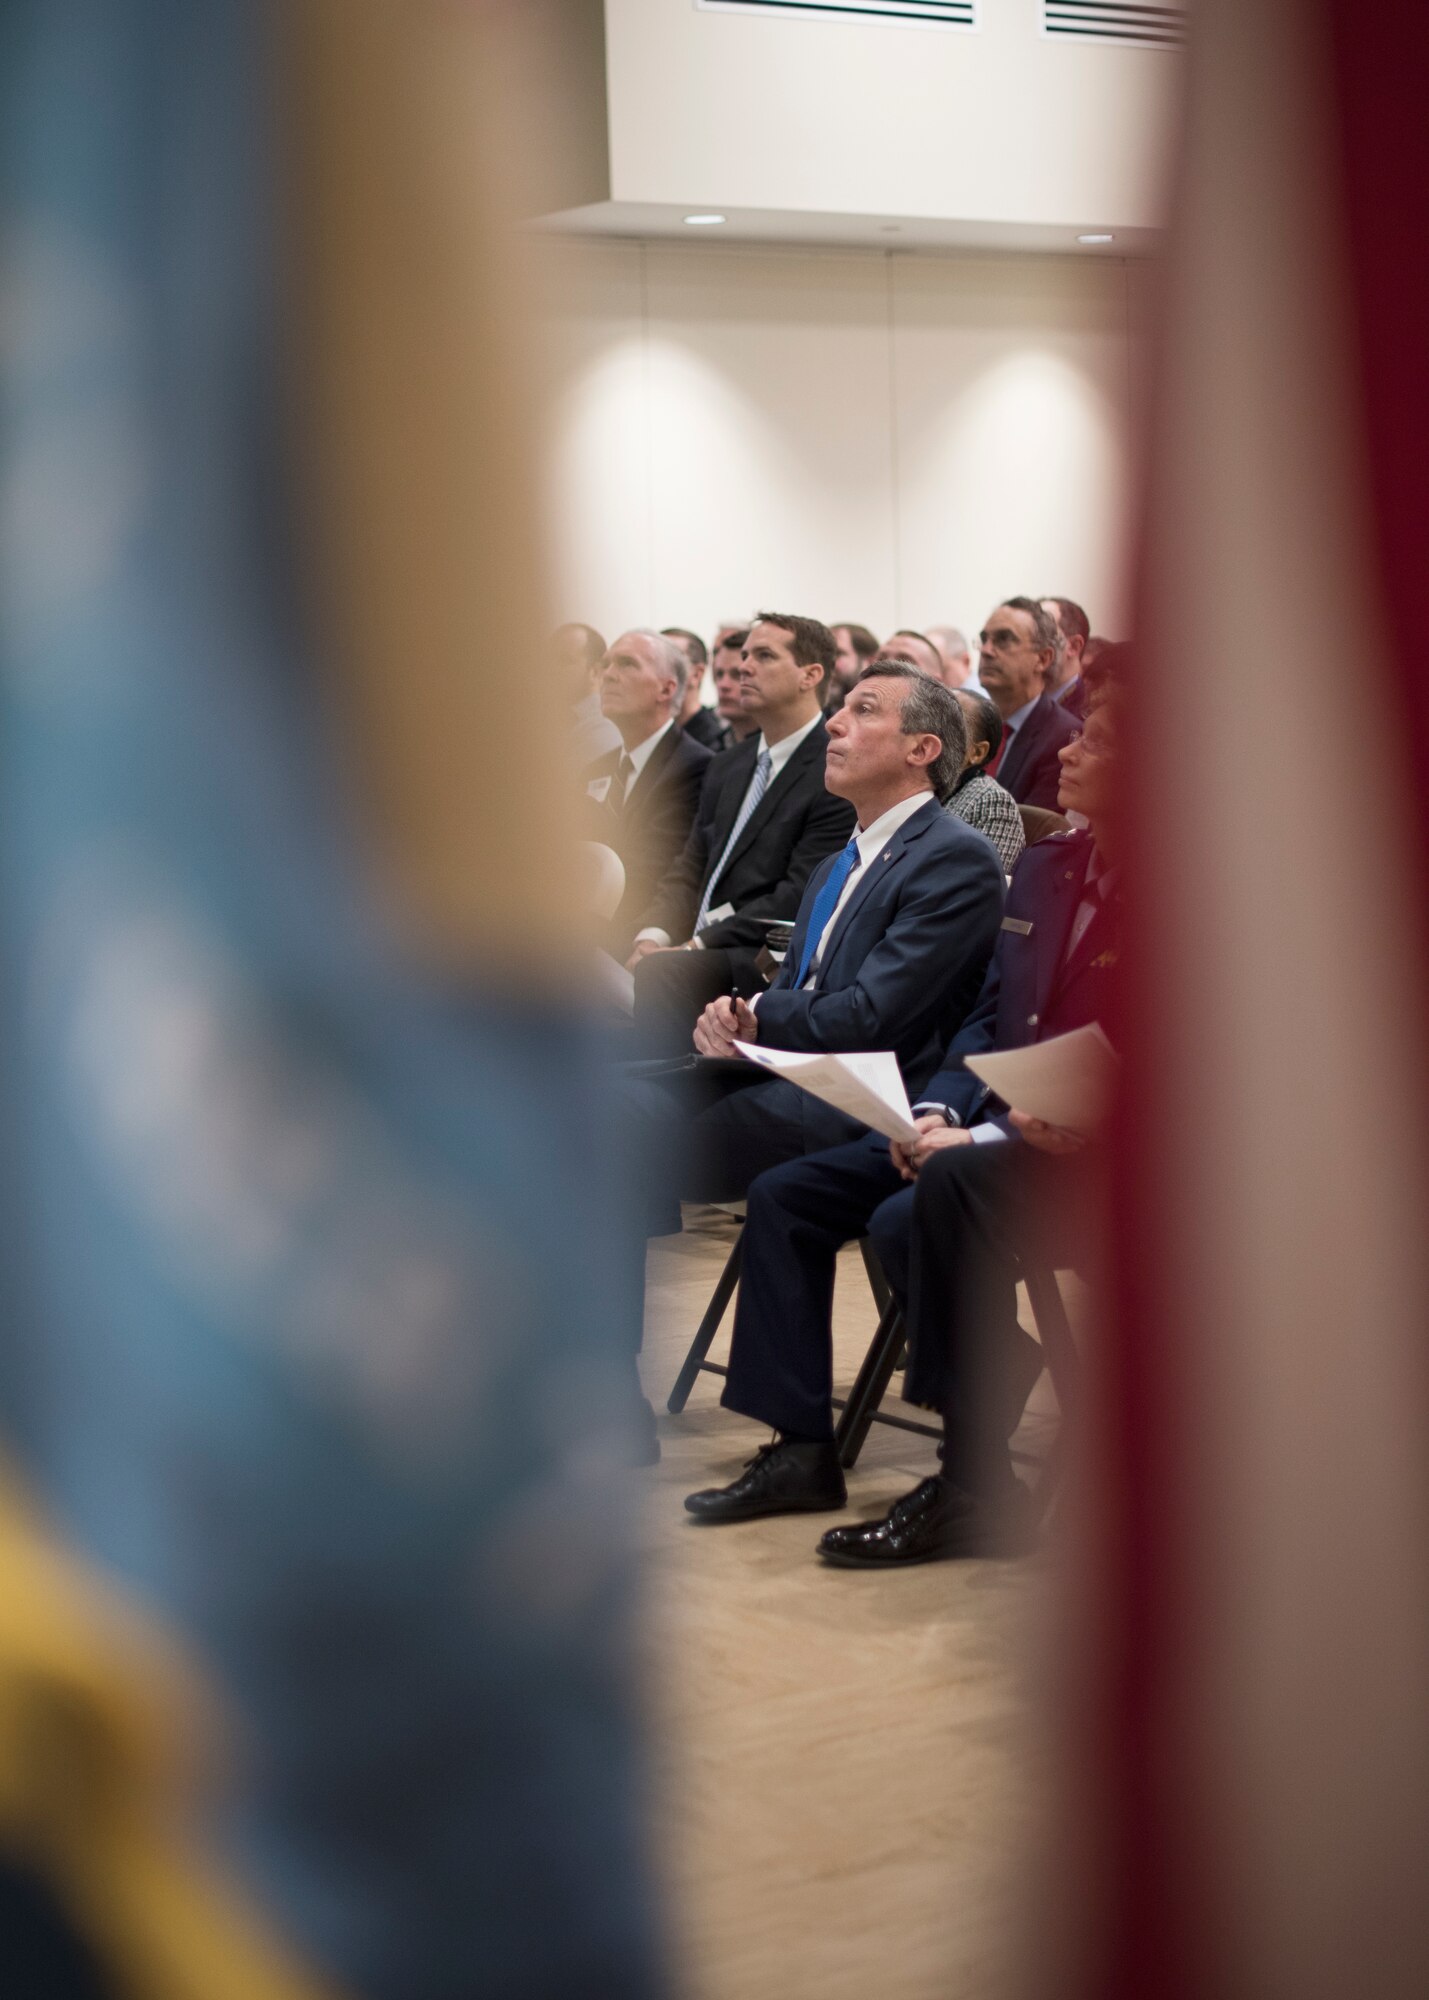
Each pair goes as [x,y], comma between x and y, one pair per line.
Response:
[308,1342]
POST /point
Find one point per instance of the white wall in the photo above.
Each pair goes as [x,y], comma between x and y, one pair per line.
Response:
[859,117]
[901,440]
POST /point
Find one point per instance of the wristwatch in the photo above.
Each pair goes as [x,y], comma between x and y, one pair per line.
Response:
[944,1111]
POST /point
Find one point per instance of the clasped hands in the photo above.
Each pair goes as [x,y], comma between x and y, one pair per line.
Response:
[935,1134]
[722,1022]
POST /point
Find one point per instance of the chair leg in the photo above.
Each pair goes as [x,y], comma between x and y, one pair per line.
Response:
[877,1283]
[1054,1330]
[1063,1365]
[708,1328]
[868,1391]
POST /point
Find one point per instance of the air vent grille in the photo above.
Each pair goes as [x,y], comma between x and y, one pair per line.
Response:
[1161,27]
[922,13]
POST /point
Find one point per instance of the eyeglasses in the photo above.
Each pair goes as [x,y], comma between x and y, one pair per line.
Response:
[1002,640]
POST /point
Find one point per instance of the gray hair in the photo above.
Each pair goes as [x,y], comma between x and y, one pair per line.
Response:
[953,641]
[671,657]
[1045,636]
[929,709]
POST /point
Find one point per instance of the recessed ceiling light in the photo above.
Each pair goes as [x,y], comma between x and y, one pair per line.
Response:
[1096,238]
[702,221]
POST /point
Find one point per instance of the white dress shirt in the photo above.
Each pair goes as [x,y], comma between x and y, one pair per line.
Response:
[779,755]
[869,841]
[640,757]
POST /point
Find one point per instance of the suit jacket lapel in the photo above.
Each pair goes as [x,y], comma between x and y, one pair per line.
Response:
[877,872]
[732,796]
[649,777]
[1093,941]
[812,746]
[1024,741]
[1057,924]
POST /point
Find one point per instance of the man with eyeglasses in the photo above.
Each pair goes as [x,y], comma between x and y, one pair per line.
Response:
[1015,648]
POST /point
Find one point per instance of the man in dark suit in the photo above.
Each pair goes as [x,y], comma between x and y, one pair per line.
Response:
[763,824]
[641,798]
[947,1217]
[1073,631]
[705,724]
[1016,647]
[892,939]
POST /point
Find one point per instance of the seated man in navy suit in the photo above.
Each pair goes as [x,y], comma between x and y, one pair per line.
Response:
[947,1217]
[892,938]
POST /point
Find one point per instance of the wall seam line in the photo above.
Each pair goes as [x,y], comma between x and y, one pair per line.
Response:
[648,425]
[895,495]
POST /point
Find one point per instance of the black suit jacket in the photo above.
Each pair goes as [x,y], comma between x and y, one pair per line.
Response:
[650,832]
[1033,990]
[796,825]
[906,957]
[1030,769]
[705,726]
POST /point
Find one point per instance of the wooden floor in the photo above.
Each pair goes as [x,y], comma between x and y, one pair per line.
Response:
[846,1768]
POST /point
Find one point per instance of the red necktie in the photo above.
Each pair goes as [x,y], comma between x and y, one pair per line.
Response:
[991,766]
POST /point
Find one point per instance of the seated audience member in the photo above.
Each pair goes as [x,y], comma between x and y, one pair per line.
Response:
[578,651]
[1073,631]
[1089,682]
[856,647]
[949,1242]
[727,671]
[892,939]
[1016,647]
[641,798]
[977,799]
[959,670]
[907,644]
[694,718]
[763,824]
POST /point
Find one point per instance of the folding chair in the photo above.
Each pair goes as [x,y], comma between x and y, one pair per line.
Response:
[695,1362]
[1049,1314]
[1039,821]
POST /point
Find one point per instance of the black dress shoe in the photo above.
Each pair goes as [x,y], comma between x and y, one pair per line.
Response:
[779,1479]
[936,1522]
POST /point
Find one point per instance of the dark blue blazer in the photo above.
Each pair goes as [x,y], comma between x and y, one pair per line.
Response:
[1030,769]
[906,957]
[1032,990]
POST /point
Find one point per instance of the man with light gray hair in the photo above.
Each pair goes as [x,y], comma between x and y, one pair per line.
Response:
[959,670]
[641,796]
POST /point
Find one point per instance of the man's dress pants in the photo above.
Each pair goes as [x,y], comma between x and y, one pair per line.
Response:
[949,1246]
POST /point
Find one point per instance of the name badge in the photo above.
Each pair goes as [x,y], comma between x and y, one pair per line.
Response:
[597,789]
[1016,924]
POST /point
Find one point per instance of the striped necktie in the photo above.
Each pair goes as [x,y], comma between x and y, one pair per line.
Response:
[758,786]
[825,903]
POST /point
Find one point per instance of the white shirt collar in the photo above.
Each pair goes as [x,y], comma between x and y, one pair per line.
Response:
[1019,716]
[871,839]
[640,755]
[783,750]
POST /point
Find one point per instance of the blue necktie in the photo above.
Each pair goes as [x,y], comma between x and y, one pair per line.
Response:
[825,903]
[758,786]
